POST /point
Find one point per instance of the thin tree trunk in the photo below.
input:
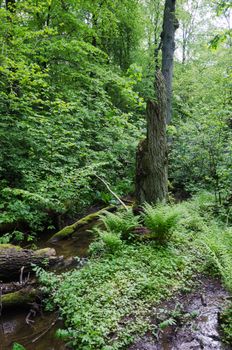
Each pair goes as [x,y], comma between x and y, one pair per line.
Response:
[170,24]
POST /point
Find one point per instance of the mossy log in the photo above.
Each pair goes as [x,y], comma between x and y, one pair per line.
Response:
[19,298]
[68,231]
[10,287]
[15,260]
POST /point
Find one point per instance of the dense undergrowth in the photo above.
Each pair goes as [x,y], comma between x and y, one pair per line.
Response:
[75,78]
[137,262]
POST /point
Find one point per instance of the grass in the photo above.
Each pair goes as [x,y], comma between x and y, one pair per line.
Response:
[108,303]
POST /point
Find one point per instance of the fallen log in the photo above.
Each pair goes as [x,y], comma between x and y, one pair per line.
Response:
[20,298]
[68,231]
[11,287]
[15,261]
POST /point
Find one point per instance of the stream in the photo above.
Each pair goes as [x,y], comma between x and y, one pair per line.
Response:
[38,335]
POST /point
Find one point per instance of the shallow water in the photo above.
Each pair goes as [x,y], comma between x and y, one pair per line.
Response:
[40,335]
[13,328]
[75,246]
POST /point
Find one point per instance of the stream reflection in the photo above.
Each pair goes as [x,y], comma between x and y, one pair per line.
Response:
[14,329]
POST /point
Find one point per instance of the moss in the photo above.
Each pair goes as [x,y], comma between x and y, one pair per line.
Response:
[19,298]
[9,246]
[65,232]
[69,230]
[45,252]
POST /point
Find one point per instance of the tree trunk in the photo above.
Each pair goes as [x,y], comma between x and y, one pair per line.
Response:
[15,261]
[170,24]
[151,168]
[151,172]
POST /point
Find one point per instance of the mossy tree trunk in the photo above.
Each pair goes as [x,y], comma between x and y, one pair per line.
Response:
[151,158]
[19,298]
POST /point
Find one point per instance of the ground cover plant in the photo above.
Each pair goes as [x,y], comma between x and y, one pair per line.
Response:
[226,324]
[107,303]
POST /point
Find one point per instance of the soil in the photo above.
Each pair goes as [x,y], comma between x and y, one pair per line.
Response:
[196,317]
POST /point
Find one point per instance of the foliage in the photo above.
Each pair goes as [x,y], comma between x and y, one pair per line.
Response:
[74,77]
[226,324]
[210,237]
[218,252]
[116,228]
[121,223]
[15,236]
[111,296]
[17,346]
[63,102]
[161,220]
[201,138]
[111,241]
[108,302]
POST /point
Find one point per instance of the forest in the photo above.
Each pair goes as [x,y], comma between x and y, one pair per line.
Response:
[115,174]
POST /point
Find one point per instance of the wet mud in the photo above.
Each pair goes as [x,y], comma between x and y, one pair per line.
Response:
[195,319]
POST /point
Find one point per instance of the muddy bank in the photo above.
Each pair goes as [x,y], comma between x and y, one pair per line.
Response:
[195,321]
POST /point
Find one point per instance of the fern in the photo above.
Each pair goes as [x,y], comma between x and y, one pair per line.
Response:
[218,246]
[161,220]
[120,223]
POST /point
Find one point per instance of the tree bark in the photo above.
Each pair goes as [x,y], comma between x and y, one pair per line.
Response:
[170,24]
[13,259]
[151,157]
